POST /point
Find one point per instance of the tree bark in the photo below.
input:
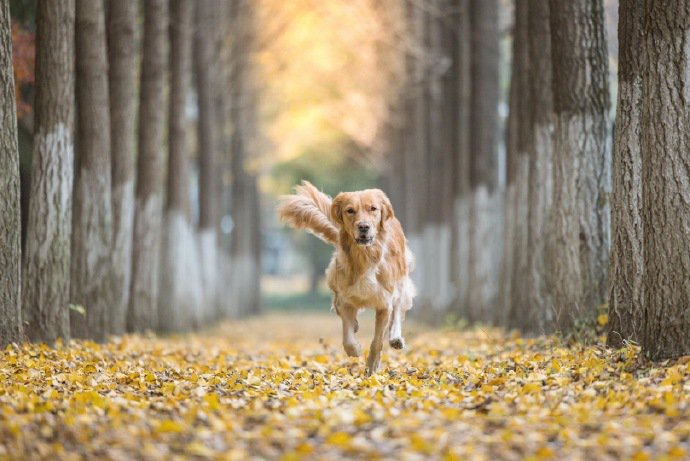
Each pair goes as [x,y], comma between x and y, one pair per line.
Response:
[92,224]
[538,317]
[582,183]
[143,303]
[436,229]
[245,245]
[485,222]
[665,131]
[181,291]
[627,262]
[416,153]
[46,272]
[10,219]
[207,138]
[462,187]
[122,53]
[513,306]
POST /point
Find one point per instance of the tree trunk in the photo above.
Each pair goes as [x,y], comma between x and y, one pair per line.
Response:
[518,289]
[207,138]
[508,308]
[181,291]
[538,316]
[627,263]
[436,236]
[245,244]
[461,183]
[143,301]
[485,222]
[46,272]
[92,224]
[10,250]
[122,53]
[581,159]
[417,185]
[665,130]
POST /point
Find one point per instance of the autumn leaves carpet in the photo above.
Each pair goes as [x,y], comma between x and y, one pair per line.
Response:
[279,387]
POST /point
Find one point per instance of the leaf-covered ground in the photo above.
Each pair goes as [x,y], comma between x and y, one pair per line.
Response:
[270,388]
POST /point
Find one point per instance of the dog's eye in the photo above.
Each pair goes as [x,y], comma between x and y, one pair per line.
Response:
[350,210]
[373,208]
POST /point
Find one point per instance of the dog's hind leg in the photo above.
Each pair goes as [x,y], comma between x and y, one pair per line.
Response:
[348,315]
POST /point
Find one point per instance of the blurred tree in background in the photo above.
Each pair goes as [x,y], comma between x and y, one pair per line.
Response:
[333,168]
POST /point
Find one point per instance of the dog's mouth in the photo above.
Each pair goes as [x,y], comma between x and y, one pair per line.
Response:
[364,240]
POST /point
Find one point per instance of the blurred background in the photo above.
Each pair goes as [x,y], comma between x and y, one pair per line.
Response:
[320,90]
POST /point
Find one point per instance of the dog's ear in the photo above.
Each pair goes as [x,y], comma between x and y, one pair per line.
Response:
[386,208]
[337,209]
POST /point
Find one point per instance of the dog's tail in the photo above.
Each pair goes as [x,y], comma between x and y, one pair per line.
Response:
[309,209]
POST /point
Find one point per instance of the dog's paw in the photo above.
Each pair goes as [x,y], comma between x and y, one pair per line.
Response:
[397,343]
[373,365]
[353,350]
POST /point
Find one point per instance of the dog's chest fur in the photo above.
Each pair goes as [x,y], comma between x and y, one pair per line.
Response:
[359,289]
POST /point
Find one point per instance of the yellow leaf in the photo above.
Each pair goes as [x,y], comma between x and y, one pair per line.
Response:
[339,439]
[168,425]
[603,319]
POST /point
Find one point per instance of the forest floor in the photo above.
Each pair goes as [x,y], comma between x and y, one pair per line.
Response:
[279,387]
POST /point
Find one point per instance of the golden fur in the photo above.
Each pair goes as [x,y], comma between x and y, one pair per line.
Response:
[371,264]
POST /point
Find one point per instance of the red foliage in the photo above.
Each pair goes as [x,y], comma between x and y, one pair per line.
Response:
[23,57]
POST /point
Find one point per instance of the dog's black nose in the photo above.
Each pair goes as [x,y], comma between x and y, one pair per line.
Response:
[364,227]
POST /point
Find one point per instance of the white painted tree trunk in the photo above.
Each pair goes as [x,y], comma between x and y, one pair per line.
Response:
[208,244]
[182,290]
[123,228]
[485,252]
[146,264]
[540,313]
[45,284]
[505,278]
[519,304]
[438,290]
[462,250]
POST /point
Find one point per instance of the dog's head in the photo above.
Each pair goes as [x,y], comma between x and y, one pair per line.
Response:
[362,215]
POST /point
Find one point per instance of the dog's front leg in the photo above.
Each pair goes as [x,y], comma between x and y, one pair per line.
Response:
[348,315]
[395,338]
[374,359]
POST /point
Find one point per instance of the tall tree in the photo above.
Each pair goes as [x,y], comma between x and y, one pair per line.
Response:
[181,291]
[207,138]
[437,292]
[46,273]
[461,69]
[538,316]
[582,183]
[627,262]
[416,183]
[665,131]
[92,225]
[143,302]
[511,307]
[10,250]
[245,245]
[485,209]
[122,53]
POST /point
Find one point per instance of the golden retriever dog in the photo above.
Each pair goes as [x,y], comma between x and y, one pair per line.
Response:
[371,265]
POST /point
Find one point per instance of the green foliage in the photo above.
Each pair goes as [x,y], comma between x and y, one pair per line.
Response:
[331,168]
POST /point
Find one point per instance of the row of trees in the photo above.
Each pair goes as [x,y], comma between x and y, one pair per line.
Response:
[534,255]
[121,235]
